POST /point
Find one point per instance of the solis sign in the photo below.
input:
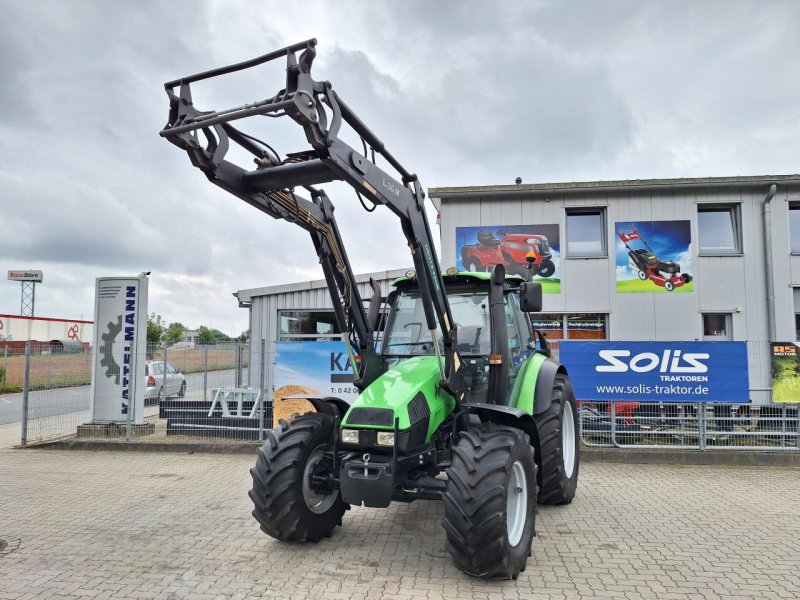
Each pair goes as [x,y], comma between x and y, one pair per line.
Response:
[657,371]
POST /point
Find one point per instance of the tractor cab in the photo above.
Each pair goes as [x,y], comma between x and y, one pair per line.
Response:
[468,296]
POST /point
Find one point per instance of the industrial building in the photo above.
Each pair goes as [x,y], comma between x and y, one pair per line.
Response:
[706,259]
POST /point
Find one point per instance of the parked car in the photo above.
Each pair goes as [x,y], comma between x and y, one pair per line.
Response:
[159,386]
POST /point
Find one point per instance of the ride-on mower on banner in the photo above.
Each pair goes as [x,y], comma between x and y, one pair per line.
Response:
[459,403]
[663,273]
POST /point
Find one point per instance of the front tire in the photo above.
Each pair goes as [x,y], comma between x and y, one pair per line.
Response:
[182,391]
[490,501]
[475,266]
[286,505]
[558,445]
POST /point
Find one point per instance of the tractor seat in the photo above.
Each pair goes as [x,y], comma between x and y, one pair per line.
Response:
[473,339]
[486,238]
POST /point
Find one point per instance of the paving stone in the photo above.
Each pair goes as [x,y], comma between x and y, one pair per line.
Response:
[149,525]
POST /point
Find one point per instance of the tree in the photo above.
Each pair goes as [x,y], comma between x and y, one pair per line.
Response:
[210,336]
[175,333]
[244,337]
[155,329]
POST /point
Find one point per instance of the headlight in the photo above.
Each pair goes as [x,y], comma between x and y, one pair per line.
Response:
[385,438]
[349,436]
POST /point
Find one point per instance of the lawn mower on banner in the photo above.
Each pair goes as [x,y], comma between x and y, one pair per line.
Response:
[664,273]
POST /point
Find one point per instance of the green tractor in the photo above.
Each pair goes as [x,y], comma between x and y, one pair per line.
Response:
[460,401]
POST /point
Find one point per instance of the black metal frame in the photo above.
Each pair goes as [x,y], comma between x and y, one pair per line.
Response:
[269,187]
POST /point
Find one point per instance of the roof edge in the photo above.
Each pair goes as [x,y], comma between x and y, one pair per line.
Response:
[624,184]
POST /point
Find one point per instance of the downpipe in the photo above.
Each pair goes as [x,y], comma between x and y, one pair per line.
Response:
[768,262]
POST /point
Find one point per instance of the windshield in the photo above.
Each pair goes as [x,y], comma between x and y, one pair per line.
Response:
[408,335]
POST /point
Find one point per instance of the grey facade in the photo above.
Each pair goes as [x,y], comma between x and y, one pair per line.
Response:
[734,284]
[266,303]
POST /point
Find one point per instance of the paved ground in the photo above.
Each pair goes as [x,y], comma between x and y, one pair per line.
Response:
[150,525]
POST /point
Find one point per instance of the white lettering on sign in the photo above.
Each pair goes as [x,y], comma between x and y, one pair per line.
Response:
[670,361]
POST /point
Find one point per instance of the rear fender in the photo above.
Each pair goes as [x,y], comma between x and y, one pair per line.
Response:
[534,393]
[543,396]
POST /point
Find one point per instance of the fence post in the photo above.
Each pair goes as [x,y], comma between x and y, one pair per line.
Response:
[5,367]
[205,372]
[702,428]
[614,424]
[26,381]
[238,365]
[164,375]
[797,428]
[263,395]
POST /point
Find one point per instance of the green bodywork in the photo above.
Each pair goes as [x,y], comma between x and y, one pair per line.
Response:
[397,387]
[522,396]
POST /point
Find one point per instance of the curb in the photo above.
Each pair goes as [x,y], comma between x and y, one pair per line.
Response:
[631,456]
[181,447]
[744,458]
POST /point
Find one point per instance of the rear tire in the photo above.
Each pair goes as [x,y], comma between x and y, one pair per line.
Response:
[490,501]
[547,268]
[669,286]
[182,391]
[642,275]
[285,505]
[558,443]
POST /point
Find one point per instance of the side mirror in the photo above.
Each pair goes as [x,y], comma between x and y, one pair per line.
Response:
[530,296]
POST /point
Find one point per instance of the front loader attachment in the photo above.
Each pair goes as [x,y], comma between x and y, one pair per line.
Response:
[207,137]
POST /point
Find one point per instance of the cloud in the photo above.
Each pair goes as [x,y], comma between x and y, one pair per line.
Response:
[462,93]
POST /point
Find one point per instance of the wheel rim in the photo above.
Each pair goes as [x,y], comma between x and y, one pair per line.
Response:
[316,502]
[516,503]
[568,440]
[473,267]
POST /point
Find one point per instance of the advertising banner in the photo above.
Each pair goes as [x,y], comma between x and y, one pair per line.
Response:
[657,371]
[120,341]
[785,373]
[654,257]
[480,248]
[321,367]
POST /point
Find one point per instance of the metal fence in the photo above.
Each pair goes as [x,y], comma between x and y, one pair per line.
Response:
[205,393]
[46,393]
[746,427]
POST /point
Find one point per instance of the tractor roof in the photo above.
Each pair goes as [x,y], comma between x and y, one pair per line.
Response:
[462,277]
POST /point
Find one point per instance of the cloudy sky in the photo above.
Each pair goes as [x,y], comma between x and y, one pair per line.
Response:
[462,92]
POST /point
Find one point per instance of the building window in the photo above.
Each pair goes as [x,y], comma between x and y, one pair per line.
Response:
[719,228]
[717,327]
[307,325]
[796,292]
[586,232]
[549,324]
[577,326]
[794,228]
[586,326]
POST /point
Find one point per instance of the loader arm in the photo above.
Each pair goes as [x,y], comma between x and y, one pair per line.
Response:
[319,110]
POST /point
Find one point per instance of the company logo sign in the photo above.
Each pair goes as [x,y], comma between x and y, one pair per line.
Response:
[657,371]
[35,276]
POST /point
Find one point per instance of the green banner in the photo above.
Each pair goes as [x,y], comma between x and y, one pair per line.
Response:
[785,373]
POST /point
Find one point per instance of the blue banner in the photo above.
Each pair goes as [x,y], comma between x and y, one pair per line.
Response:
[657,371]
[321,366]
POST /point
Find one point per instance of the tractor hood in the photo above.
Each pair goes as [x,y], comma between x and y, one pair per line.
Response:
[408,392]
